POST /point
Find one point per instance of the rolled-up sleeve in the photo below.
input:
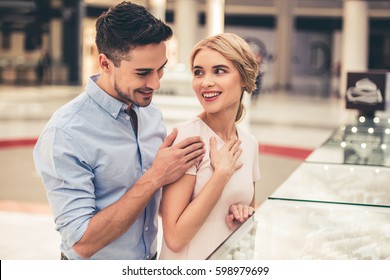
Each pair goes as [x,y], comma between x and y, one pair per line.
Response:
[66,171]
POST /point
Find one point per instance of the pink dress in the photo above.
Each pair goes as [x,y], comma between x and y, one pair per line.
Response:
[239,189]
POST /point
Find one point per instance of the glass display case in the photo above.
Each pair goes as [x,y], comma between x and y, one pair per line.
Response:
[352,152]
[336,205]
[356,144]
[286,230]
[333,183]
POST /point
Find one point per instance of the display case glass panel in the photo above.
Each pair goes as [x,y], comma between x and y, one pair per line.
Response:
[381,119]
[353,145]
[293,230]
[356,153]
[348,184]
[356,133]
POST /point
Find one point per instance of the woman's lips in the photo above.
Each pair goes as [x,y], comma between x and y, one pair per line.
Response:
[210,95]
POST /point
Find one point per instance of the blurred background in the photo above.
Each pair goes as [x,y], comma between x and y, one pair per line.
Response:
[301,42]
[47,53]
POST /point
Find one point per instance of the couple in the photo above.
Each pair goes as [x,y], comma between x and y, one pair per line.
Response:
[107,163]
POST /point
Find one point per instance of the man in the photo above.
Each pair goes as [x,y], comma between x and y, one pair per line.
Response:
[103,157]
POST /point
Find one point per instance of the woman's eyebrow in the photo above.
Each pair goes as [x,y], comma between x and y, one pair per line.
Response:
[215,66]
[220,66]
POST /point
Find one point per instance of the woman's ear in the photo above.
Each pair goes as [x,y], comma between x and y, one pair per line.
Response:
[243,86]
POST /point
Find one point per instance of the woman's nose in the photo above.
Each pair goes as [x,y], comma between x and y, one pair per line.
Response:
[207,82]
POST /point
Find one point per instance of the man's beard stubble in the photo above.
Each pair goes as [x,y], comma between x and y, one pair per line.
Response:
[127,99]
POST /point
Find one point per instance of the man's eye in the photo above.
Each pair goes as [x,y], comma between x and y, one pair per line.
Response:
[142,74]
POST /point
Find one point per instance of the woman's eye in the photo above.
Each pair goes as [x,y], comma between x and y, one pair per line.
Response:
[197,72]
[219,71]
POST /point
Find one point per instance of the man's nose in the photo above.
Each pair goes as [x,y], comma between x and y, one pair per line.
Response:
[154,81]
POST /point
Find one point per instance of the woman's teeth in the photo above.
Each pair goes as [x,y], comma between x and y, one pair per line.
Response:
[210,95]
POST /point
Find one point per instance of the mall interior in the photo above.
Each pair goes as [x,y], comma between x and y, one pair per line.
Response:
[324,138]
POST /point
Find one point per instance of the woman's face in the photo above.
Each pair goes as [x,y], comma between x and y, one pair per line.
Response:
[216,82]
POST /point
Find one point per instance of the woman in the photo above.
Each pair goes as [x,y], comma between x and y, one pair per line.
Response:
[212,199]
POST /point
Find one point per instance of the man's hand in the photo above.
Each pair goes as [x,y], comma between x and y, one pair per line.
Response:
[172,162]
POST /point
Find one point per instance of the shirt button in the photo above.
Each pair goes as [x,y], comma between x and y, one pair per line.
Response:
[113,114]
[143,170]
[127,118]
[146,228]
[148,256]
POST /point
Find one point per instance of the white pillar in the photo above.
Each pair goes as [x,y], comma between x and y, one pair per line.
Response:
[284,47]
[354,39]
[186,24]
[56,40]
[215,17]
[55,36]
[157,8]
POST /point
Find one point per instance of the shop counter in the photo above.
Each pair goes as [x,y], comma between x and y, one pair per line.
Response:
[293,230]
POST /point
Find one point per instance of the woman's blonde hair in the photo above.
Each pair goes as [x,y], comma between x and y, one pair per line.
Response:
[238,51]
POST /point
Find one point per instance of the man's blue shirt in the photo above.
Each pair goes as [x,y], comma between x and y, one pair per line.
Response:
[88,157]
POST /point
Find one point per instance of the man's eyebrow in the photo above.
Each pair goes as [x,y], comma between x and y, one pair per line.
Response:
[162,66]
[151,69]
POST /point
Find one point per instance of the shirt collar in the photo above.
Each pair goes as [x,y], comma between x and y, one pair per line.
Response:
[111,105]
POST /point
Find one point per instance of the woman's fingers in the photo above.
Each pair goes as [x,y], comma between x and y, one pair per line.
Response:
[241,212]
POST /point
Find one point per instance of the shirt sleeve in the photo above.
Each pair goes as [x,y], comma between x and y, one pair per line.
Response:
[68,178]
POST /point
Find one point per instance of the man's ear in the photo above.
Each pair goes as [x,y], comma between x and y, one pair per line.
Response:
[104,63]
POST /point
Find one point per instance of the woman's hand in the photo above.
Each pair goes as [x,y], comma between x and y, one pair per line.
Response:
[225,160]
[238,214]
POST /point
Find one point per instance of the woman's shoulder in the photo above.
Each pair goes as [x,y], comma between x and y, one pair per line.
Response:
[246,135]
[192,127]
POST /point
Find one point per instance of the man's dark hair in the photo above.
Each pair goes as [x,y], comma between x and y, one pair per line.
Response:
[126,26]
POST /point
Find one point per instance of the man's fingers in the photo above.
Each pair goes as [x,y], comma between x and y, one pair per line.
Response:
[198,156]
[189,141]
[169,139]
[193,148]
